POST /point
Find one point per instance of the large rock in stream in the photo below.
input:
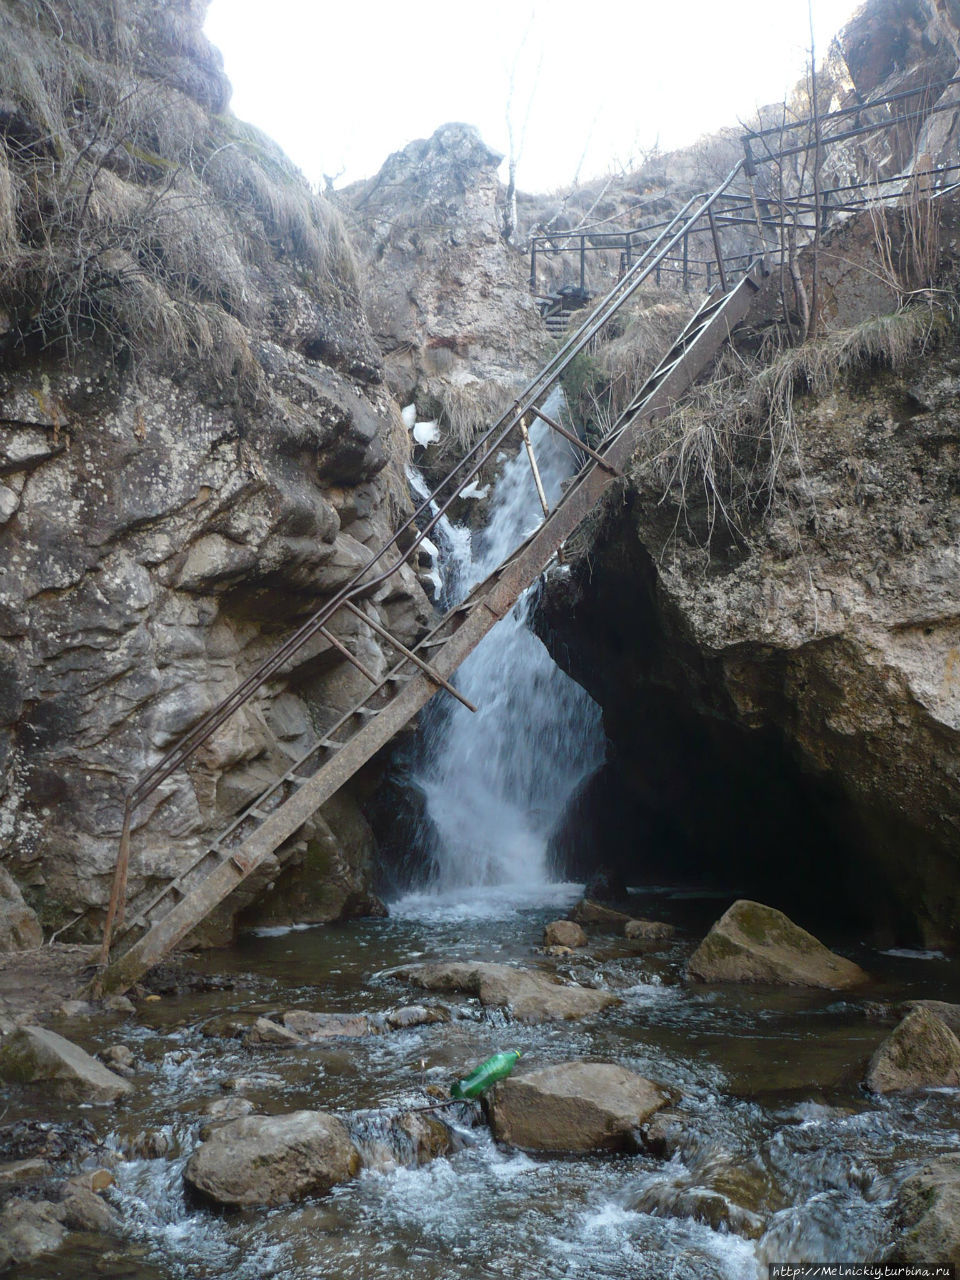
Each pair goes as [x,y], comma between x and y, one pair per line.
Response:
[928,1213]
[34,1055]
[271,1160]
[921,1052]
[576,1106]
[529,996]
[754,943]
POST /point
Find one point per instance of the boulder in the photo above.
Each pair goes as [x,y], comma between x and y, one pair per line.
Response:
[928,1214]
[576,1106]
[754,943]
[33,1055]
[322,1026]
[19,927]
[942,1009]
[29,1228]
[264,1031]
[588,912]
[648,930]
[564,933]
[84,1209]
[528,995]
[271,1160]
[921,1052]
[416,1015]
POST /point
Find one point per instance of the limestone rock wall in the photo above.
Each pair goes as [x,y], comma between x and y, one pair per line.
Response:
[196,449]
[447,298]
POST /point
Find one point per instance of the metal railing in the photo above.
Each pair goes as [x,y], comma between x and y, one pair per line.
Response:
[748,208]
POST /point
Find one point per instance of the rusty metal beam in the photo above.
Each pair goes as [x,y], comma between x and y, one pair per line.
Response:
[409,654]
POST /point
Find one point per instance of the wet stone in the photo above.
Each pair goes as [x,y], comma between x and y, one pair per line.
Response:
[416,1015]
[229,1026]
[928,1215]
[668,1133]
[667,1199]
[20,1173]
[576,1106]
[84,1209]
[648,931]
[407,1139]
[229,1108]
[588,912]
[323,1026]
[564,933]
[151,1144]
[28,1229]
[527,994]
[920,1053]
[264,1031]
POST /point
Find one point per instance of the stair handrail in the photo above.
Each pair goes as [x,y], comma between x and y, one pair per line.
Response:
[360,585]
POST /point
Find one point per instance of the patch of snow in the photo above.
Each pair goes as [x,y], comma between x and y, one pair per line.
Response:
[426,432]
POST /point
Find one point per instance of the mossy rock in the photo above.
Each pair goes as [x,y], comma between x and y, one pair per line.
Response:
[921,1052]
[755,943]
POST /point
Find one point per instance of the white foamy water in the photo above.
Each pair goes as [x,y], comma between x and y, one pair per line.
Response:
[496,781]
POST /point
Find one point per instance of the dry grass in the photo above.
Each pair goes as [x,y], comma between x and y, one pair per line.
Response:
[601,381]
[133,211]
[467,409]
[398,446]
[628,359]
[720,458]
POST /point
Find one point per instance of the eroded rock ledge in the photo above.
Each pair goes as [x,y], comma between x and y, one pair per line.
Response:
[784,706]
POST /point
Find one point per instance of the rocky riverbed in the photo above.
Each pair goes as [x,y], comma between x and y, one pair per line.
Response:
[656,1113]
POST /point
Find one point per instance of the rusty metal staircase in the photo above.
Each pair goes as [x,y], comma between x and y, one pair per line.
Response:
[158,920]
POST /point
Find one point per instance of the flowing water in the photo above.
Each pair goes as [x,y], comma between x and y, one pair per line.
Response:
[779,1156]
[782,1157]
[495,782]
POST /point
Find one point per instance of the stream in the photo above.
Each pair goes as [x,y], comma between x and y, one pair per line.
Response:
[781,1155]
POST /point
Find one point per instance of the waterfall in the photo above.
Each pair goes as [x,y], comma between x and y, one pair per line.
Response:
[495,782]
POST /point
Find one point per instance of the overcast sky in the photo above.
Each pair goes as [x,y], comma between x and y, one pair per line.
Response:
[341,85]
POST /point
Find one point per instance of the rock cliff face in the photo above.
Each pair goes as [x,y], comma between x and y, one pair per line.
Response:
[784,701]
[447,298]
[196,448]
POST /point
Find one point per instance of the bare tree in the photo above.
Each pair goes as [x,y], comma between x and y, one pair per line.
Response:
[517,135]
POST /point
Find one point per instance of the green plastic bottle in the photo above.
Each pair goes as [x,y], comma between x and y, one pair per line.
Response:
[488,1073]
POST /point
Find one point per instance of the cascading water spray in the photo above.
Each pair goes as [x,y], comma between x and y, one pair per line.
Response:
[496,781]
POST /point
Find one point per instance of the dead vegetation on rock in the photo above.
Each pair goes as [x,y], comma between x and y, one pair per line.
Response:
[728,447]
[128,212]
